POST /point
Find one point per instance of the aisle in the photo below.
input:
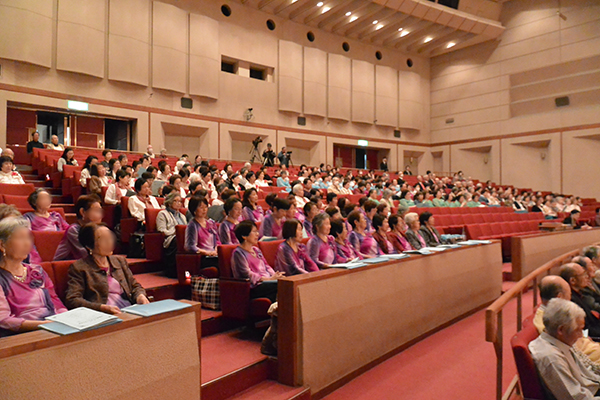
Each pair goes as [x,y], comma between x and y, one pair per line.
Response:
[455,363]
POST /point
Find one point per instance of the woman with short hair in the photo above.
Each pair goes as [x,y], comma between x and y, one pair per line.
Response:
[233,211]
[344,251]
[413,235]
[67,158]
[143,199]
[41,218]
[166,223]
[272,224]
[397,234]
[7,173]
[27,294]
[248,262]
[251,210]
[102,281]
[88,209]
[292,257]
[321,247]
[363,243]
[380,227]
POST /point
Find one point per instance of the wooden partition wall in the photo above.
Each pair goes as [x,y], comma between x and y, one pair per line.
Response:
[531,251]
[334,324]
[140,358]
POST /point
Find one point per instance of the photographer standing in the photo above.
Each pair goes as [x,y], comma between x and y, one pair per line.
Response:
[284,157]
[269,156]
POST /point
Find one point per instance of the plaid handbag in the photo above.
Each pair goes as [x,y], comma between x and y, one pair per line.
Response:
[207,292]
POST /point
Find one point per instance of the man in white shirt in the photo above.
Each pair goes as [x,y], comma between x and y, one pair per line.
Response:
[54,144]
[562,373]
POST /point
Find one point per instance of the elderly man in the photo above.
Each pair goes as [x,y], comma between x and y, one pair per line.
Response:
[578,279]
[298,191]
[149,152]
[562,373]
[553,286]
[54,144]
[34,143]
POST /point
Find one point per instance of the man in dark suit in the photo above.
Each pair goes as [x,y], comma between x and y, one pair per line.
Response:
[384,165]
[284,157]
[578,279]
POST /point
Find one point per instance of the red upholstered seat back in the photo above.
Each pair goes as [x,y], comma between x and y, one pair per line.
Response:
[269,250]
[125,207]
[19,201]
[530,381]
[18,190]
[61,275]
[180,237]
[47,242]
[224,252]
[151,214]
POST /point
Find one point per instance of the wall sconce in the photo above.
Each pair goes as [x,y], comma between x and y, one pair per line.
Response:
[485,159]
[543,155]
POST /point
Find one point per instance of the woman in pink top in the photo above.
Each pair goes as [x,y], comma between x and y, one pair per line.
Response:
[321,247]
[42,219]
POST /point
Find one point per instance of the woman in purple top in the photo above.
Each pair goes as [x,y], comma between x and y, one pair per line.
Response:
[201,234]
[41,219]
[310,212]
[27,294]
[363,243]
[292,257]
[396,234]
[233,210]
[321,247]
[381,226]
[248,262]
[252,211]
[271,226]
[344,252]
[88,209]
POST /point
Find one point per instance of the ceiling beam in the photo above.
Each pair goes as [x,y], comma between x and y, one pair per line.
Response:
[339,7]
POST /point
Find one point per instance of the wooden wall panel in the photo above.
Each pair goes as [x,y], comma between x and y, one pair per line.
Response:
[129,41]
[290,76]
[169,47]
[81,41]
[339,87]
[363,92]
[386,96]
[315,82]
[410,110]
[205,59]
[26,31]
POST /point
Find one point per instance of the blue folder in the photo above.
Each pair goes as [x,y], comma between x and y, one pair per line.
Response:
[158,307]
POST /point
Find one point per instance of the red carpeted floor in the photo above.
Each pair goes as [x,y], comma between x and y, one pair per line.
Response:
[455,363]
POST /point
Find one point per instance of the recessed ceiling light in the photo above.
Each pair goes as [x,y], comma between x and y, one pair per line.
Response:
[353,18]
[325,9]
[374,22]
[320,4]
[428,39]
[379,27]
[399,29]
[404,33]
[451,44]
[349,13]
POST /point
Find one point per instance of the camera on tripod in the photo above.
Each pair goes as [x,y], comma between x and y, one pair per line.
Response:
[257,141]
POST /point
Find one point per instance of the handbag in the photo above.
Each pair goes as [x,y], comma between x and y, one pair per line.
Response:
[137,248]
[206,291]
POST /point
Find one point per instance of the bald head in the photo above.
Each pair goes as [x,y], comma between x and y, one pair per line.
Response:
[8,153]
[553,286]
[575,275]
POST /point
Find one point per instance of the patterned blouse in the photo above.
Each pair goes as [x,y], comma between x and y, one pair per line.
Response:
[54,222]
[321,252]
[364,245]
[294,263]
[271,228]
[245,265]
[201,238]
[256,215]
[226,233]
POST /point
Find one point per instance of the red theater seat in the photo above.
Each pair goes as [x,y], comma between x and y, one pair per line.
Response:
[269,250]
[235,293]
[528,376]
[189,263]
[47,242]
[17,190]
[61,275]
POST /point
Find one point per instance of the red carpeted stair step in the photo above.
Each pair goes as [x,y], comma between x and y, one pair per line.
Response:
[273,391]
[160,287]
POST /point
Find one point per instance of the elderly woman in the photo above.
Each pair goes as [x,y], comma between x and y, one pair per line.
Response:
[248,262]
[7,175]
[41,218]
[311,210]
[251,210]
[165,172]
[166,222]
[363,243]
[9,210]
[143,199]
[233,211]
[102,281]
[271,226]
[396,236]
[438,200]
[88,209]
[298,192]
[67,158]
[177,182]
[413,234]
[387,198]
[344,251]
[27,294]
[85,172]
[321,247]
[235,182]
[260,179]
[381,227]
[292,257]
[201,234]
[428,232]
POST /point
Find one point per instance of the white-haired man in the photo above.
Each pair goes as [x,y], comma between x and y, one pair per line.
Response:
[562,373]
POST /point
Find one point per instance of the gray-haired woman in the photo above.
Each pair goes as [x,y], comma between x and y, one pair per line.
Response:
[27,294]
[166,221]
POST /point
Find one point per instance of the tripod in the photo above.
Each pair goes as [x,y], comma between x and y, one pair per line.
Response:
[255,153]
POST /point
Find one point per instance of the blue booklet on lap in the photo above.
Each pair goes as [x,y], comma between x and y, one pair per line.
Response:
[158,307]
[375,260]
